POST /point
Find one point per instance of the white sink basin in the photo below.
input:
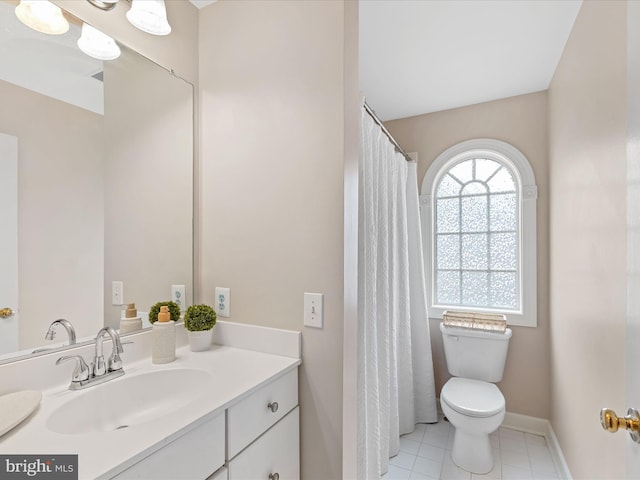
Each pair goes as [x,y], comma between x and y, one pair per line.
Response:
[129,401]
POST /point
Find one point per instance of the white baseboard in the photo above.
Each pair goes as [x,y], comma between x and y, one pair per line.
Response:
[540,426]
[525,423]
[556,453]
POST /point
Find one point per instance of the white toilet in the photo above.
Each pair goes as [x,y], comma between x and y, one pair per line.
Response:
[470,400]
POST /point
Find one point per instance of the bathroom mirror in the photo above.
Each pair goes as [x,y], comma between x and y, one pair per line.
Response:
[104,173]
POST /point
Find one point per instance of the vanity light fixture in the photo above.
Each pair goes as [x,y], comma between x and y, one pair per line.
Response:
[42,16]
[104,4]
[97,45]
[149,16]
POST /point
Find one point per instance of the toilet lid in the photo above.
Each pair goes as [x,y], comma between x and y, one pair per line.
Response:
[473,398]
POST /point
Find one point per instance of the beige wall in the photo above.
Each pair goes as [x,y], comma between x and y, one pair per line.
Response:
[271,206]
[522,122]
[587,153]
[60,212]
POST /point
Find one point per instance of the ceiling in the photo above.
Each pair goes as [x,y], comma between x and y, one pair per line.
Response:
[422,56]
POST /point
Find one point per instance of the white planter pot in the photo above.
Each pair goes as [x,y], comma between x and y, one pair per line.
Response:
[200,341]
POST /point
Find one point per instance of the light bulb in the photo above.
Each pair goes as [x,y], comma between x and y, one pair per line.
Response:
[43,16]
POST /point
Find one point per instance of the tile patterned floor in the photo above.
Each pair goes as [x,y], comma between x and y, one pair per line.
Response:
[425,454]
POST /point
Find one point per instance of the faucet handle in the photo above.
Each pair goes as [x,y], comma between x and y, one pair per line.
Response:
[115,362]
[98,367]
[81,372]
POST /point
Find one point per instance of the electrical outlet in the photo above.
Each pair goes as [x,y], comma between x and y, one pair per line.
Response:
[223,301]
[178,296]
[313,310]
[117,293]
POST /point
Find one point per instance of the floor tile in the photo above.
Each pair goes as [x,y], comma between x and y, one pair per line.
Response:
[517,456]
[409,446]
[397,473]
[513,473]
[403,460]
[431,452]
[450,471]
[416,435]
[515,459]
[514,443]
[535,440]
[419,476]
[430,468]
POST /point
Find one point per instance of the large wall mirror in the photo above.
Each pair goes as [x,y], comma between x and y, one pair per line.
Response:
[96,162]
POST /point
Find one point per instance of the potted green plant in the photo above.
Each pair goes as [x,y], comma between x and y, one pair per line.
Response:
[199,321]
[174,311]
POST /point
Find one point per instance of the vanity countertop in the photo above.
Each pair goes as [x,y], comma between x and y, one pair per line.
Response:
[237,372]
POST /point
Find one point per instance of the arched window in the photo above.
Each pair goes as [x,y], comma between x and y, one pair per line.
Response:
[479,218]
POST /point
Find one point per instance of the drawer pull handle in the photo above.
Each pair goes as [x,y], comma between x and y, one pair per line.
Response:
[274,476]
[273,406]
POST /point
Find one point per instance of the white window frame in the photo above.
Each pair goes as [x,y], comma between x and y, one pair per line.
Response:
[518,164]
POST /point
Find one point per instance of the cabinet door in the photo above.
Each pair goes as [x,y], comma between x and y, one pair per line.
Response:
[194,456]
[275,452]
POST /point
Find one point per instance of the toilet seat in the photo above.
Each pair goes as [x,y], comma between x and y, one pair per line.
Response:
[472,398]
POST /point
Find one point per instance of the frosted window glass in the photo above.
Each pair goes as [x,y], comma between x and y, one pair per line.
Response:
[502,182]
[475,289]
[474,214]
[503,251]
[448,287]
[474,251]
[448,187]
[485,168]
[474,188]
[476,241]
[503,289]
[448,215]
[502,212]
[463,171]
[448,252]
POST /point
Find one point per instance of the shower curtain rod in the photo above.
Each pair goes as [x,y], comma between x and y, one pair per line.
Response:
[373,115]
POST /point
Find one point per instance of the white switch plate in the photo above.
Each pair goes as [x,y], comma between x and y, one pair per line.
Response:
[178,296]
[117,293]
[313,310]
[223,301]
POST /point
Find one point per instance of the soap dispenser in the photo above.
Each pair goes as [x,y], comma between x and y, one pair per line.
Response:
[163,338]
[131,322]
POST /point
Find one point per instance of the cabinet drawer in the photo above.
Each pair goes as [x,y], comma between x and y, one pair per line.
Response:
[277,451]
[195,455]
[250,417]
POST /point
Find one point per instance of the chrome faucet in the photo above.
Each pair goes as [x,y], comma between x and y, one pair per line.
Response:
[99,372]
[51,333]
[114,362]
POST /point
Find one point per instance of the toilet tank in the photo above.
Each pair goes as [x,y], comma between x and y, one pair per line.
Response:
[475,354]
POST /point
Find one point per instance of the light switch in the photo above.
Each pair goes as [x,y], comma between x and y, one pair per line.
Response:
[117,293]
[313,310]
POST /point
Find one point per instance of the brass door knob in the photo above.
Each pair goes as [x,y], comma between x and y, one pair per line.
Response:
[612,422]
[6,313]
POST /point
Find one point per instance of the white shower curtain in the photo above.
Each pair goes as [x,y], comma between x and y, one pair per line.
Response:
[395,369]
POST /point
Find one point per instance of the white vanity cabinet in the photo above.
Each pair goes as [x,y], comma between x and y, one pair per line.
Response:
[259,441]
